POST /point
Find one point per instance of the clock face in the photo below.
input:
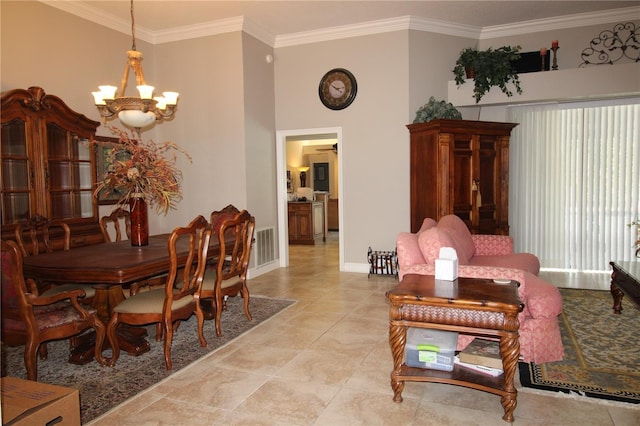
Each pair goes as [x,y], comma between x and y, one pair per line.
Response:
[337,89]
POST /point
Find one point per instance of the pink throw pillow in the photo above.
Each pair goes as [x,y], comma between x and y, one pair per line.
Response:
[427,224]
[461,235]
[431,241]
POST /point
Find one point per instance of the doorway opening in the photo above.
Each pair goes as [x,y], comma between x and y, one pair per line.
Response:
[311,137]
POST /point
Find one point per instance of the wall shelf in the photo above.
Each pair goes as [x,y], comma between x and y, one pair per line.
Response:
[598,81]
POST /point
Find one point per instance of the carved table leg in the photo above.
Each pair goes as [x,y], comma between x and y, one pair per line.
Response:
[397,340]
[509,352]
[130,339]
[617,298]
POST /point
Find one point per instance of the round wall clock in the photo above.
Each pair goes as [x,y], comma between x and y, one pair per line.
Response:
[337,89]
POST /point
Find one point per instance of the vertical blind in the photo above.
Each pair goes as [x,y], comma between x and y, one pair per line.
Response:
[575,182]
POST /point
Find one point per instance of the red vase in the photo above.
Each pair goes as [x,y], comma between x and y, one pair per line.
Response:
[139,222]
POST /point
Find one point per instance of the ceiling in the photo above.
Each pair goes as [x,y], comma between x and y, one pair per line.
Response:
[290,17]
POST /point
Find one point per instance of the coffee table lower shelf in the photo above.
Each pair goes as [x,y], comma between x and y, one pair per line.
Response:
[459,376]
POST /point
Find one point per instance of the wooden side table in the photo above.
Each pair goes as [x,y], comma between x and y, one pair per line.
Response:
[625,279]
[479,307]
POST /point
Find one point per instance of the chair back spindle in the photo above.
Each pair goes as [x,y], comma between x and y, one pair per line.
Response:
[111,225]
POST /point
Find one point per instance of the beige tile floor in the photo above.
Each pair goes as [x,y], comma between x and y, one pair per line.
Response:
[326,361]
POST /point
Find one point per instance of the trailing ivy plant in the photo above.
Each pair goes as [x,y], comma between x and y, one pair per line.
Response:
[436,109]
[492,67]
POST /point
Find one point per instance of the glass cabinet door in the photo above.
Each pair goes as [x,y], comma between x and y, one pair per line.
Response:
[17,185]
[68,174]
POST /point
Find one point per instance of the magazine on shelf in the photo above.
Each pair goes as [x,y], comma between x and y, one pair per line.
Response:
[479,368]
[482,352]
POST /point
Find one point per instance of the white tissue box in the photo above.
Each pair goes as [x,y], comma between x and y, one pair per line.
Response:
[447,269]
[447,264]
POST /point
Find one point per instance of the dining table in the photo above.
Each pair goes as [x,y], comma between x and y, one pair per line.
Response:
[110,267]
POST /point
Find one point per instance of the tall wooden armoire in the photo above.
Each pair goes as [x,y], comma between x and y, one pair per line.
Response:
[461,167]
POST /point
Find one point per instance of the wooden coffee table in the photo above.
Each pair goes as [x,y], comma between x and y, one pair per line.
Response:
[479,307]
[625,279]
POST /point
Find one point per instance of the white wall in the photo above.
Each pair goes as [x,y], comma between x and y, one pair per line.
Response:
[259,128]
[373,128]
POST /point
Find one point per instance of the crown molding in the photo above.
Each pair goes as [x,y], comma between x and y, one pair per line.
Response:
[377,27]
[94,15]
[562,22]
[240,23]
[187,32]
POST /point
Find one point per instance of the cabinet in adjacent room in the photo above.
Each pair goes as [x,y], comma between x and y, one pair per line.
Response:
[461,167]
[48,165]
[306,222]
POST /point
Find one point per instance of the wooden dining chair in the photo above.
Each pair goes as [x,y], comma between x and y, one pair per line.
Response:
[34,236]
[229,278]
[179,298]
[116,220]
[41,235]
[34,319]
[219,216]
[216,219]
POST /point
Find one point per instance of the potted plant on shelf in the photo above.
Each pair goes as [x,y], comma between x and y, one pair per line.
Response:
[488,68]
[436,109]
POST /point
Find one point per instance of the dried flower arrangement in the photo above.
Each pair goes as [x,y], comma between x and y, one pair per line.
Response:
[143,169]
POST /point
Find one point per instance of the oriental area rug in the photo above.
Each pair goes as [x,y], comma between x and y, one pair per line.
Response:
[102,388]
[601,359]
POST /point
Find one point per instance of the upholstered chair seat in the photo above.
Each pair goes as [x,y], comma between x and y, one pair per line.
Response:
[151,301]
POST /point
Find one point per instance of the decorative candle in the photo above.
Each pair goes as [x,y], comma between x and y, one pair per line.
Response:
[554,43]
[543,51]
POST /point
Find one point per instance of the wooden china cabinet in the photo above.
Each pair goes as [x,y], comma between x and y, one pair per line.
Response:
[461,167]
[48,167]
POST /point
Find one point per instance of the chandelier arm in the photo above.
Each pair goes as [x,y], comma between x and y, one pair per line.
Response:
[137,70]
[125,77]
[167,113]
[105,111]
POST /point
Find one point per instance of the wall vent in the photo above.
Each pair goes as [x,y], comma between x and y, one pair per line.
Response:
[264,249]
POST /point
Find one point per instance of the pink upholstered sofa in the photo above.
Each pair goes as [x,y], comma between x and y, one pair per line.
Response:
[491,256]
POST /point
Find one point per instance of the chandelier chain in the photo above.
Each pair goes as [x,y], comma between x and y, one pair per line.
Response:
[133,29]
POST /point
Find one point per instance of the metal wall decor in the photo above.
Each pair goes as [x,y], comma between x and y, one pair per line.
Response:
[612,45]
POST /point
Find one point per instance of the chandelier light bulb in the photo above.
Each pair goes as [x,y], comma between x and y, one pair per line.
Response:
[171,98]
[108,92]
[146,92]
[161,102]
[98,99]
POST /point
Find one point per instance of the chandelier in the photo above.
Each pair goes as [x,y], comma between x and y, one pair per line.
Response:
[136,112]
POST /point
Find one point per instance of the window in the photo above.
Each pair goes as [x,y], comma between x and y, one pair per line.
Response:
[575,182]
